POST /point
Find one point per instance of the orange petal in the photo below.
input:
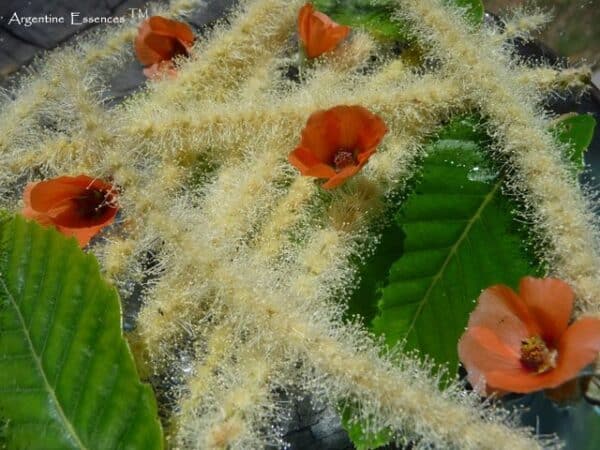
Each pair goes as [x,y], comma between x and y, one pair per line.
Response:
[514,303]
[321,135]
[550,301]
[519,381]
[83,235]
[45,195]
[28,212]
[143,52]
[318,33]
[304,160]
[578,347]
[481,347]
[481,350]
[341,177]
[160,70]
[324,35]
[160,39]
[359,128]
[353,120]
[500,310]
[173,28]
[320,171]
[303,22]
[165,46]
[373,131]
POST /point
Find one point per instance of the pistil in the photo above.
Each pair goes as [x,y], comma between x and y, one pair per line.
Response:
[342,159]
[536,356]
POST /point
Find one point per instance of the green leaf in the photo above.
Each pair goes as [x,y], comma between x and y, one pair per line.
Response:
[362,440]
[460,238]
[451,237]
[372,273]
[475,9]
[373,269]
[376,16]
[577,132]
[67,377]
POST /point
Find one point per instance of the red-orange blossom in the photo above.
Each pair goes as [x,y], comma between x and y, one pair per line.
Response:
[522,342]
[318,33]
[336,143]
[76,206]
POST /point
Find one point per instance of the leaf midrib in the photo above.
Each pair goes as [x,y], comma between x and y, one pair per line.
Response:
[66,422]
[453,249]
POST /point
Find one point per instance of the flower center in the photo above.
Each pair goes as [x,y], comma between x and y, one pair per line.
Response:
[179,49]
[92,204]
[536,356]
[342,159]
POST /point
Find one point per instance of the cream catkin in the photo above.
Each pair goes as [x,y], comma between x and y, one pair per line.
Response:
[243,263]
[561,213]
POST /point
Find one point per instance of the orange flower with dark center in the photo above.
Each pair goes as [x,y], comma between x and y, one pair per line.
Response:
[337,143]
[318,33]
[159,41]
[77,206]
[522,342]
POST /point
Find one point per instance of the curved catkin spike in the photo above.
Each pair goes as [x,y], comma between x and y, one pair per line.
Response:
[286,213]
[99,53]
[218,346]
[548,80]
[71,76]
[250,294]
[562,215]
[218,66]
[522,24]
[76,108]
[232,411]
[399,399]
[344,362]
[226,127]
[227,220]
[184,7]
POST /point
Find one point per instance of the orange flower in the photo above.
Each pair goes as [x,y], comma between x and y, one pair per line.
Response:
[158,41]
[77,206]
[522,342]
[337,143]
[318,33]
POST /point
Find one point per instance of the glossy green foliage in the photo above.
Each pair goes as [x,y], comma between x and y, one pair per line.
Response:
[451,237]
[459,237]
[67,377]
[377,16]
[577,132]
[474,9]
[360,439]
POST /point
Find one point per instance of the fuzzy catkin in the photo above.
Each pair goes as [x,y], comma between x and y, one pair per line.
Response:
[249,262]
[561,212]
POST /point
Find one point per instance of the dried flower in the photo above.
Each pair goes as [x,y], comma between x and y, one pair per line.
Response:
[337,143]
[318,33]
[77,206]
[522,342]
[158,41]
